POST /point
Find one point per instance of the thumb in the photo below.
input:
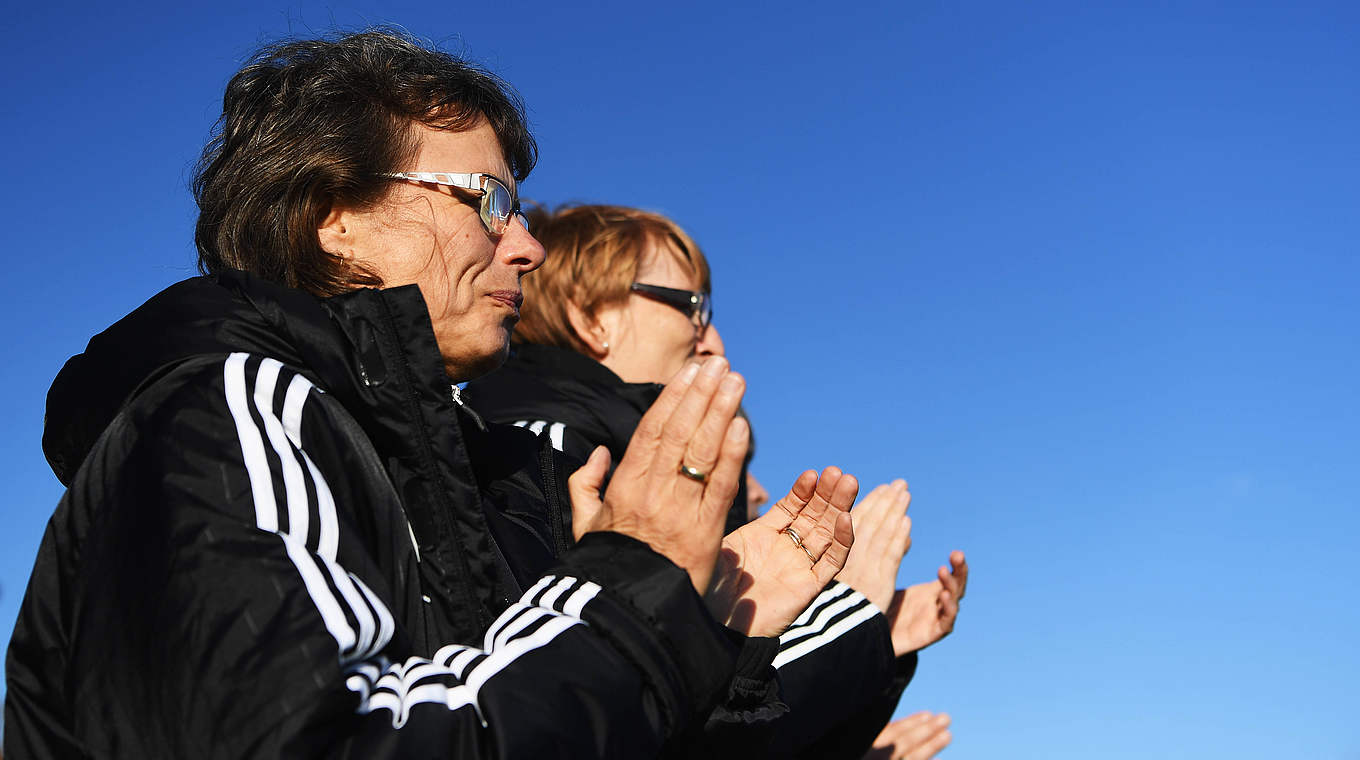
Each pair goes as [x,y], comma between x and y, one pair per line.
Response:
[584,488]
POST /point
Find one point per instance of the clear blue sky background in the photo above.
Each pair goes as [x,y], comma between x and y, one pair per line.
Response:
[1084,273]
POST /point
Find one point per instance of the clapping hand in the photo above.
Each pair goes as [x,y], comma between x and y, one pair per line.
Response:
[882,538]
[916,737]
[764,577]
[923,614]
[679,475]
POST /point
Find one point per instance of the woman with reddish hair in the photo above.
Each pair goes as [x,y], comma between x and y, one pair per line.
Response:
[622,301]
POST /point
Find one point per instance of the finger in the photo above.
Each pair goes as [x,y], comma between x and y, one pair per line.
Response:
[951,580]
[928,739]
[833,558]
[708,439]
[948,612]
[913,720]
[903,731]
[960,566]
[821,535]
[647,436]
[877,521]
[726,475]
[914,733]
[782,513]
[583,486]
[807,519]
[898,499]
[903,537]
[842,497]
[678,431]
[871,510]
[947,580]
[935,747]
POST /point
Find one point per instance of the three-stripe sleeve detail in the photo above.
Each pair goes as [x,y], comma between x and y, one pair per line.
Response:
[358,621]
[457,673]
[837,610]
[305,521]
[556,431]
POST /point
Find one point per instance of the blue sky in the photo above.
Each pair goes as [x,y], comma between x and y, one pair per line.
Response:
[1085,274]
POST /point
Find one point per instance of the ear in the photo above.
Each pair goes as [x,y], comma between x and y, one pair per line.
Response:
[590,329]
[337,232]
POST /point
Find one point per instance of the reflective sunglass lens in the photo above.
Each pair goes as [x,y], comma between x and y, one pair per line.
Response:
[497,207]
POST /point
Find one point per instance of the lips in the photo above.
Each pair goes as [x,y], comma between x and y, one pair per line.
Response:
[511,298]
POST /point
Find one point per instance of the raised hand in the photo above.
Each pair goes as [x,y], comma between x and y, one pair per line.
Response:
[764,579]
[692,424]
[923,614]
[915,737]
[882,538]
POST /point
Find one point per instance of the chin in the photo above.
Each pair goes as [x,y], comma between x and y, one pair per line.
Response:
[484,361]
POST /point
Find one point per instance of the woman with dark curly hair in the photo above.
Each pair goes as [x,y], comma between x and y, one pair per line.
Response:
[284,535]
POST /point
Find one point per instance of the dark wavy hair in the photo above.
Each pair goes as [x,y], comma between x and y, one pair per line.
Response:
[311,123]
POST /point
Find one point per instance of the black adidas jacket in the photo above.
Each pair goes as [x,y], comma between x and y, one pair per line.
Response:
[283,538]
[835,662]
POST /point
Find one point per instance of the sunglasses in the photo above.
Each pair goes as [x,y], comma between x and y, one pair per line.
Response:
[694,303]
[498,205]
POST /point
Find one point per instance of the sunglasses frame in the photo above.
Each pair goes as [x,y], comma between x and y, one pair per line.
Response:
[476,182]
[697,304]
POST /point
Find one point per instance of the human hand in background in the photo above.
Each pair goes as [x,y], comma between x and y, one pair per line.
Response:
[764,579]
[693,424]
[923,614]
[915,737]
[882,538]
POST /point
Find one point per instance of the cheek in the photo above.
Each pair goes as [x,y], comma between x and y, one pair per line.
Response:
[684,336]
[459,275]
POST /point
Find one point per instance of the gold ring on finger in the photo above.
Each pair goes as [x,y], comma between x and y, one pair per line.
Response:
[693,473]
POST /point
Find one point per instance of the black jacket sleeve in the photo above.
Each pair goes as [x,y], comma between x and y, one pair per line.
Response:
[839,677]
[224,580]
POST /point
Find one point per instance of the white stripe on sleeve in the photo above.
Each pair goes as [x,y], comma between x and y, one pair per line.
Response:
[807,646]
[546,610]
[814,628]
[293,486]
[252,446]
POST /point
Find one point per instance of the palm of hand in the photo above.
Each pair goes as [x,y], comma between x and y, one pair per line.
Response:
[763,581]
[925,613]
[915,616]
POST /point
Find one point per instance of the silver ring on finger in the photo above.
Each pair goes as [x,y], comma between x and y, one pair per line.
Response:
[693,473]
[798,542]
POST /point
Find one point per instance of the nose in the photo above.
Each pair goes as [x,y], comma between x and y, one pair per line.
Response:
[756,496]
[710,342]
[518,249]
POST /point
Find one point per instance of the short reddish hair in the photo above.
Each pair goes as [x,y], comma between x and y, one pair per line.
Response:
[594,253]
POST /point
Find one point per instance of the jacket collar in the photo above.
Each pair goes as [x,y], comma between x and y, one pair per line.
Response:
[559,384]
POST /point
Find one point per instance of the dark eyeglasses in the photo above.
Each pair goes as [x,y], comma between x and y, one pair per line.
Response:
[697,304]
[497,205]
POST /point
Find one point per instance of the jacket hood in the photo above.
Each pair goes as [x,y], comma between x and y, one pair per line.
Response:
[221,313]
